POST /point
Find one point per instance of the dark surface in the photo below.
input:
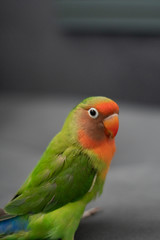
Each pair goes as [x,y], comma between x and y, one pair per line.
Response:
[37,56]
[130,203]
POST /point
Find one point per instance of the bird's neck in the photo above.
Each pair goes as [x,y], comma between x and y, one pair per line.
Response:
[103,149]
[105,152]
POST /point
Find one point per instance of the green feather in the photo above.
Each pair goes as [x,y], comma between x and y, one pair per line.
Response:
[56,192]
[48,190]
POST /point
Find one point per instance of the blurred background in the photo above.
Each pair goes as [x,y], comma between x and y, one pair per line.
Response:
[55,53]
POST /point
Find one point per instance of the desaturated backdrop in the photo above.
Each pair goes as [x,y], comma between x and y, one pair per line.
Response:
[38,56]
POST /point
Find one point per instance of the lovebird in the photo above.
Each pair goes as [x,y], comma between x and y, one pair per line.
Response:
[70,173]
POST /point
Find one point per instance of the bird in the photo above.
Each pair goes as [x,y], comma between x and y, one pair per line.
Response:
[70,174]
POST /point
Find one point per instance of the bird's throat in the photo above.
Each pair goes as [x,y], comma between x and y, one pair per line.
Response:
[104,149]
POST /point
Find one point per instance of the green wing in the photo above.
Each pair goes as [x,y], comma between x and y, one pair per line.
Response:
[50,187]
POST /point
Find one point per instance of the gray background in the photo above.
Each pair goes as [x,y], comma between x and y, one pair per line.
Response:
[44,73]
[36,55]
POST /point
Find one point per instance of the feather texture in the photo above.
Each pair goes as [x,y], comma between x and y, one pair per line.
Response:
[13,225]
[70,173]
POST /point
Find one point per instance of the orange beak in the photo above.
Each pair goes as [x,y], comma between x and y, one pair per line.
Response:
[111,125]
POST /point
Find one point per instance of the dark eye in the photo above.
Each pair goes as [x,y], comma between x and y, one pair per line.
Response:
[93,113]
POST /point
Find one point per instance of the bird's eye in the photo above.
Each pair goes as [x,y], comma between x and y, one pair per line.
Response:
[93,113]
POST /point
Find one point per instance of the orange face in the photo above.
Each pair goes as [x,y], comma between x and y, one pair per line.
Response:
[98,122]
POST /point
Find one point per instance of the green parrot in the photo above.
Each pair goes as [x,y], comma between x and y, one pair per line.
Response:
[70,173]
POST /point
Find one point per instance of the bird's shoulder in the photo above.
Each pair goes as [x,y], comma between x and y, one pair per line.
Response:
[66,177]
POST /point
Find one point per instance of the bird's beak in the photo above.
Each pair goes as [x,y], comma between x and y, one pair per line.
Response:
[111,125]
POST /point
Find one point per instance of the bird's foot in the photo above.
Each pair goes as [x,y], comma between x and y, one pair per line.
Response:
[90,212]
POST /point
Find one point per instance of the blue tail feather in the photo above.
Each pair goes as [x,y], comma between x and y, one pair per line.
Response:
[13,225]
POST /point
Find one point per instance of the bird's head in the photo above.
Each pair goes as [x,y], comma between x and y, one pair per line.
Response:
[96,120]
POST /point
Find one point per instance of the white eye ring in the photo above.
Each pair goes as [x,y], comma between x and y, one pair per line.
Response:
[93,113]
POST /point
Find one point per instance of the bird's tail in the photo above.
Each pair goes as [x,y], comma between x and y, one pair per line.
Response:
[13,224]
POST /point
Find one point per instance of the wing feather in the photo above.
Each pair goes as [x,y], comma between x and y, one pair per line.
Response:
[48,189]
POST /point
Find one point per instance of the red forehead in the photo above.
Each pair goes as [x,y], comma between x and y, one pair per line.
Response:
[107,107]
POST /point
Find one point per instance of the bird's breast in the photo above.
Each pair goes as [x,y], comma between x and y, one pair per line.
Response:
[105,152]
[104,149]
